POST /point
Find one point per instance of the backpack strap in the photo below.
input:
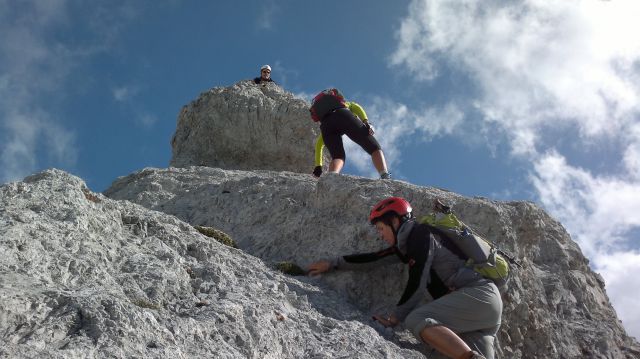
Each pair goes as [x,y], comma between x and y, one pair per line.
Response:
[444,240]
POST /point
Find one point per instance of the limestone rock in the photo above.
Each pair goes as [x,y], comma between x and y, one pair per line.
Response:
[246,126]
[85,276]
[556,306]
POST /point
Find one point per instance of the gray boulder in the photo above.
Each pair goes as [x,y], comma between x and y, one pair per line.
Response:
[556,306]
[85,276]
[246,126]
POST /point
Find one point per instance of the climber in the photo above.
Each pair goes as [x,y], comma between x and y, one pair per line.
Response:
[338,117]
[265,76]
[464,315]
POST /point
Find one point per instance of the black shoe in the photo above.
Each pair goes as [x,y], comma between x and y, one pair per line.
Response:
[438,206]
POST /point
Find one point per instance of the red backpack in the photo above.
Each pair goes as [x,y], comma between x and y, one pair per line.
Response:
[325,102]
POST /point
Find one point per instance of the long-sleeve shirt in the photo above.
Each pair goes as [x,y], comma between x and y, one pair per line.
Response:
[432,267]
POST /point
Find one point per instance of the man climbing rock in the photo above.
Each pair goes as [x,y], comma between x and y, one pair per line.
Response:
[465,314]
[339,117]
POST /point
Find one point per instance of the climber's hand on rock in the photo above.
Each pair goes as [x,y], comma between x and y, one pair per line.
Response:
[319,267]
[386,320]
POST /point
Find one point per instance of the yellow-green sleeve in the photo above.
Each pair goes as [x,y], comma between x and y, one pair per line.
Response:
[357,110]
[319,147]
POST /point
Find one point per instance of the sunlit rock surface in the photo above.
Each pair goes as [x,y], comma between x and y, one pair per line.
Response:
[556,306]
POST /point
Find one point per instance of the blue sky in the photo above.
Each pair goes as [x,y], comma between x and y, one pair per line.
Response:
[512,100]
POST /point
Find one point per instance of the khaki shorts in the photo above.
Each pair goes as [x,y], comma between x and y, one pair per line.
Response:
[473,312]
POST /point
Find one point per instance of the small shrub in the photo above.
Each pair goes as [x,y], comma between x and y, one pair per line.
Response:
[143,303]
[218,235]
[290,268]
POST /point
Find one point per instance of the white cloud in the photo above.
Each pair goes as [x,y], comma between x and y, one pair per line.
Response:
[146,120]
[126,96]
[125,93]
[615,268]
[32,65]
[631,156]
[306,96]
[281,74]
[18,148]
[35,65]
[537,64]
[599,211]
[395,124]
[31,137]
[267,14]
[544,70]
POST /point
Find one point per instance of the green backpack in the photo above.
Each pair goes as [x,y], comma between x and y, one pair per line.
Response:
[483,256]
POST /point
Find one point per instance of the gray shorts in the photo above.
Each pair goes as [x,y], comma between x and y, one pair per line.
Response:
[474,313]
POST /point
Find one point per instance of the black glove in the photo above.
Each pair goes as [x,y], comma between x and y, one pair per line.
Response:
[370,129]
[439,206]
[317,171]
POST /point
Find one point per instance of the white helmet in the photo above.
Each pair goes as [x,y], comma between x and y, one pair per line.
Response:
[265,67]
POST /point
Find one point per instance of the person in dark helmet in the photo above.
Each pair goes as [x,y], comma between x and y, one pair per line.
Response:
[265,75]
[339,117]
[464,315]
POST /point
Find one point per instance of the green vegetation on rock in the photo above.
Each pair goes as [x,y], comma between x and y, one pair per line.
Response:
[290,268]
[218,235]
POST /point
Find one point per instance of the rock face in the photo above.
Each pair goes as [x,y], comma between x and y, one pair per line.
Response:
[84,276]
[556,306]
[246,126]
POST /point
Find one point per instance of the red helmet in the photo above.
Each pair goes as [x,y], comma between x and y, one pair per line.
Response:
[398,205]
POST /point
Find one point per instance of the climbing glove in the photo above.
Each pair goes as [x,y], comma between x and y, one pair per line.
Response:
[369,128]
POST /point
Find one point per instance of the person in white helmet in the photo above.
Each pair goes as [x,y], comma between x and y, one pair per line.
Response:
[265,75]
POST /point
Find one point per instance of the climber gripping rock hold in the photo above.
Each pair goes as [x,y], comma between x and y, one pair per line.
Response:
[465,314]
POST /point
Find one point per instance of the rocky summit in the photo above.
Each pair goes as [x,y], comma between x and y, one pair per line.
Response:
[246,126]
[205,259]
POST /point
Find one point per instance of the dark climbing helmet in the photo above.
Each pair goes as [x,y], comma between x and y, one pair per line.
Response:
[397,205]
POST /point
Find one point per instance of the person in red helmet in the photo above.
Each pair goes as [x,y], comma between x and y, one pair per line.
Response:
[465,314]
